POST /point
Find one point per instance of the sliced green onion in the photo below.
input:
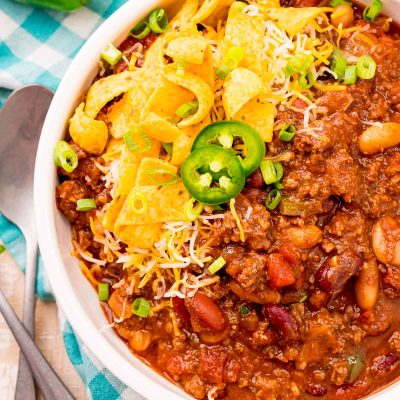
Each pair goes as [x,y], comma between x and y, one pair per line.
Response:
[279,170]
[104,291]
[141,30]
[2,248]
[226,139]
[167,147]
[161,171]
[133,146]
[231,60]
[278,185]
[273,199]
[244,310]
[355,365]
[336,3]
[240,5]
[141,307]
[111,54]
[372,11]
[350,75]
[298,64]
[192,213]
[138,202]
[338,64]
[366,67]
[216,265]
[65,156]
[85,205]
[287,133]
[268,171]
[158,20]
[306,80]
[187,109]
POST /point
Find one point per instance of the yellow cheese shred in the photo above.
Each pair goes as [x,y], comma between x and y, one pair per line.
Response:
[237,219]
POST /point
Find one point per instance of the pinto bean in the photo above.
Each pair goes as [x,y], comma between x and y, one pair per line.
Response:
[201,307]
[367,285]
[140,340]
[337,270]
[375,139]
[304,237]
[282,321]
[386,240]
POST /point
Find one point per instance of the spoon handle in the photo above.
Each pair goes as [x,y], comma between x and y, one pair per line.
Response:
[48,381]
[25,387]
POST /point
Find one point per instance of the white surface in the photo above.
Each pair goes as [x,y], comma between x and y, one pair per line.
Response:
[74,294]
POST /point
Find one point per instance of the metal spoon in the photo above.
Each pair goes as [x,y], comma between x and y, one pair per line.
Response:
[49,383]
[21,121]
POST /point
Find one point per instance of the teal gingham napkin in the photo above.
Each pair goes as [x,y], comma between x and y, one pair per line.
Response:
[36,46]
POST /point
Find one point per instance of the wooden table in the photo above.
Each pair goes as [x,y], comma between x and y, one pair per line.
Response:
[47,335]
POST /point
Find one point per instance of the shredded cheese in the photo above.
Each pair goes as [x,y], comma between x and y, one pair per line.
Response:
[237,219]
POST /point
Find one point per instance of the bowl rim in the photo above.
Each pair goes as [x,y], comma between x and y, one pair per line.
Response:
[68,93]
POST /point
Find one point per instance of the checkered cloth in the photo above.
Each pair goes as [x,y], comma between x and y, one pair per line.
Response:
[37,46]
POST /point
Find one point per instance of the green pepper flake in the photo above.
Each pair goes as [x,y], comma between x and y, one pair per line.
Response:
[2,248]
[244,310]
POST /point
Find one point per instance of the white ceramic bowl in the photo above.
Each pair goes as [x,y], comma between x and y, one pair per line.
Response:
[74,294]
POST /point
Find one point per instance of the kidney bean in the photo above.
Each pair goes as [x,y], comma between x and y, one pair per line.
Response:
[337,270]
[201,307]
[282,321]
[256,179]
[300,104]
[181,310]
[385,362]
[316,389]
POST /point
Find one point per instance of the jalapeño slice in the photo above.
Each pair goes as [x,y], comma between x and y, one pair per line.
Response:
[236,136]
[205,187]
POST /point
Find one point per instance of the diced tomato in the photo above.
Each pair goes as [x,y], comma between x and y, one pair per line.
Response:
[279,272]
[289,254]
[212,364]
